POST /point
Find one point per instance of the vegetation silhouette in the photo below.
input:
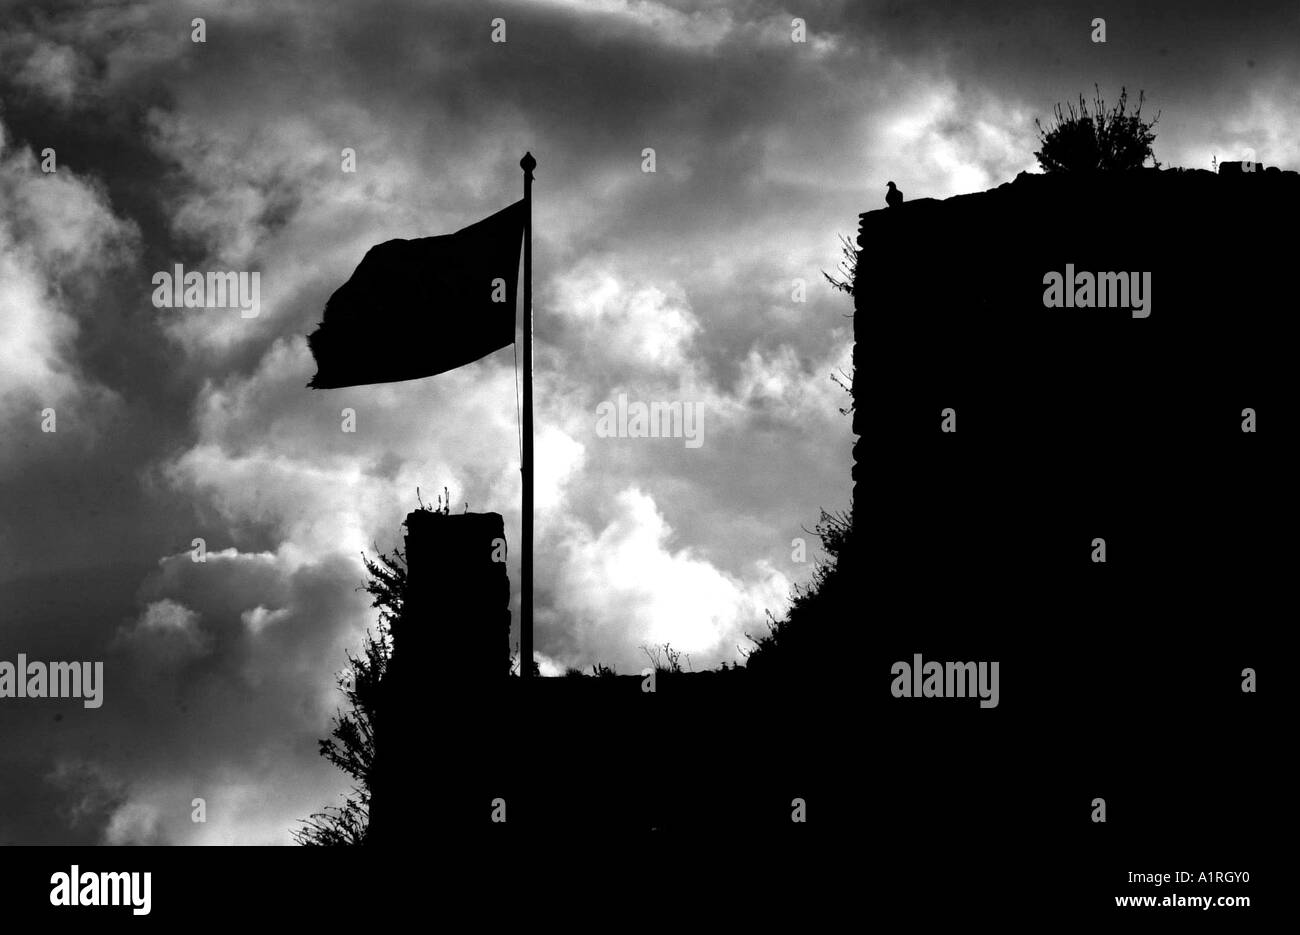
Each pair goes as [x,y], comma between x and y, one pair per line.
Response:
[351,744]
[799,645]
[1097,140]
[848,267]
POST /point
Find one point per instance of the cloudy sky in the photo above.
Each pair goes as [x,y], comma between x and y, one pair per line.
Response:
[674,285]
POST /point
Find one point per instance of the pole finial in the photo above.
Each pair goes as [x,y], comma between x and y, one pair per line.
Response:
[528,164]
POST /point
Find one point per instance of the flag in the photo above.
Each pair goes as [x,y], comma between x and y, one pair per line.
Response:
[414,308]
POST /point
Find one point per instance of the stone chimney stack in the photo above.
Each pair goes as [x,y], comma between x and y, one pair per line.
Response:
[458,596]
[451,657]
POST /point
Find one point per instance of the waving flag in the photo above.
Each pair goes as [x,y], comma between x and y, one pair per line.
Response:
[414,308]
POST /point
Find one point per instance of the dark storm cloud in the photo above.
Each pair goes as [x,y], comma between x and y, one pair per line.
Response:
[672,285]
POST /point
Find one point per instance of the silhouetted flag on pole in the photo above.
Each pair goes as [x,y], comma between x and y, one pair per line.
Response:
[414,308]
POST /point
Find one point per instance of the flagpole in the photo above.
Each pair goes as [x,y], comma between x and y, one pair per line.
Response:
[528,163]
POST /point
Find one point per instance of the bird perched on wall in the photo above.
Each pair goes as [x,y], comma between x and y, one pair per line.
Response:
[893,197]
